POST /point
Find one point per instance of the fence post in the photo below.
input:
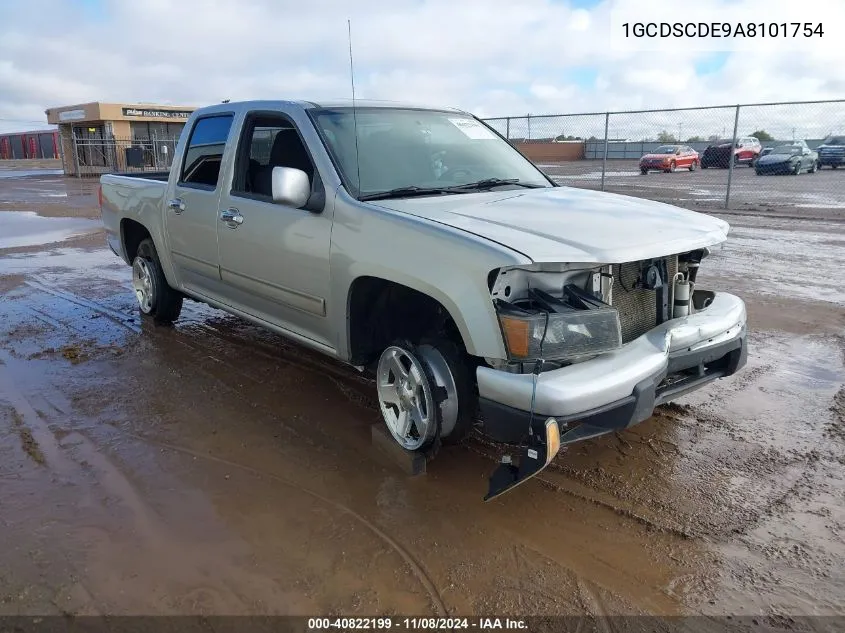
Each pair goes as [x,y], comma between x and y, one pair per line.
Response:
[606,142]
[731,161]
[75,153]
[529,125]
[508,128]
[62,150]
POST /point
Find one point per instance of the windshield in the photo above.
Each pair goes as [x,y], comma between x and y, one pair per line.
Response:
[835,140]
[666,149]
[400,148]
[787,149]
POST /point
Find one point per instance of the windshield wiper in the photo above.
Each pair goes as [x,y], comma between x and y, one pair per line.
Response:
[487,183]
[407,192]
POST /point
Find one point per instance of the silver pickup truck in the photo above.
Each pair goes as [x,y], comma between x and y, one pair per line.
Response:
[419,245]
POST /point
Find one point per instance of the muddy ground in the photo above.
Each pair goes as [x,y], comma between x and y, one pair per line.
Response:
[214,468]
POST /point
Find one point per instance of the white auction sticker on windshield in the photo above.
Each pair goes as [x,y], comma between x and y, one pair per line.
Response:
[472,128]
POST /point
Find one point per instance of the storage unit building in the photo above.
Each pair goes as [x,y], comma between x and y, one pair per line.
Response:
[33,144]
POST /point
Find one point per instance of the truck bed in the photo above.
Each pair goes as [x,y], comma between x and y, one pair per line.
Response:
[135,196]
[143,175]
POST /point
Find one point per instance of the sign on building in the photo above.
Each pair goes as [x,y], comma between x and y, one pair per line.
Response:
[157,113]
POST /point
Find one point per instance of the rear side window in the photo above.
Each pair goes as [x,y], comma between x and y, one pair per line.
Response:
[205,151]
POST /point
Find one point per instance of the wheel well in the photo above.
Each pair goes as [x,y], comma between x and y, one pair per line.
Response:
[132,234]
[381,311]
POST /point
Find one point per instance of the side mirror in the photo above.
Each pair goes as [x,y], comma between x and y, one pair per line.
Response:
[290,186]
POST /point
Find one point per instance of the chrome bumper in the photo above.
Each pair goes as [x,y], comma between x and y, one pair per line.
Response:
[609,381]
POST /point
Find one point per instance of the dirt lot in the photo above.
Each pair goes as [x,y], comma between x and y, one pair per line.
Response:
[213,468]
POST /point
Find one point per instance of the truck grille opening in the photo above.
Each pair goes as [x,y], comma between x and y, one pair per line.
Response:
[637,306]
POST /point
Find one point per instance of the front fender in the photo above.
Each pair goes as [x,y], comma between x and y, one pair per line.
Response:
[446,264]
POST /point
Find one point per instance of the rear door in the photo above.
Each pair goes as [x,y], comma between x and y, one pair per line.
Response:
[192,203]
[274,259]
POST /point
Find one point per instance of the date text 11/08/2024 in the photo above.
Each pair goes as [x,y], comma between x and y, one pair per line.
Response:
[724,29]
[399,623]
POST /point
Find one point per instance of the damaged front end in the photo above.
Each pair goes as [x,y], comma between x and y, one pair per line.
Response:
[556,316]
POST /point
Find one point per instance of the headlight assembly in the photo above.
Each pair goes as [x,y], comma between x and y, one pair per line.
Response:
[559,335]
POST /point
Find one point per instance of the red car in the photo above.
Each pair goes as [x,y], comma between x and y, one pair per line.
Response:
[668,158]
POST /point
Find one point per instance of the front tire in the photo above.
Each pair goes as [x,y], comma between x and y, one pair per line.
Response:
[671,167]
[154,295]
[693,165]
[797,169]
[424,393]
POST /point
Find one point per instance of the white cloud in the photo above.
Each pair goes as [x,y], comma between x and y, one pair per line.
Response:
[494,58]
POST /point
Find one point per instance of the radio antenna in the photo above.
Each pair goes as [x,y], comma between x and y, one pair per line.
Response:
[354,110]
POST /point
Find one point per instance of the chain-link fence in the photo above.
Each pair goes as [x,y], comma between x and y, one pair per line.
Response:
[93,156]
[711,157]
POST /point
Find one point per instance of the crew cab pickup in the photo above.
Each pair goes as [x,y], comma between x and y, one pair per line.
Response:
[418,245]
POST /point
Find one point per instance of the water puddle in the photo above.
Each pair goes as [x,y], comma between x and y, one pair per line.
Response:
[22,173]
[26,228]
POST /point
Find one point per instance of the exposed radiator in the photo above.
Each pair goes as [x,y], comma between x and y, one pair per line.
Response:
[637,307]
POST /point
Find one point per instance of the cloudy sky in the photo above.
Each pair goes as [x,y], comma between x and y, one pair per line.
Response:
[492,57]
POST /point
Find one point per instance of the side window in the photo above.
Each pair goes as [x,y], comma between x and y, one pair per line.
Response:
[269,141]
[205,151]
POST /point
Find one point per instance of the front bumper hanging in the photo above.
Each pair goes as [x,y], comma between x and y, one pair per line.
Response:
[615,390]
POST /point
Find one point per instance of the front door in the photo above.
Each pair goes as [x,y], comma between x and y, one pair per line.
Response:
[274,259]
[191,209]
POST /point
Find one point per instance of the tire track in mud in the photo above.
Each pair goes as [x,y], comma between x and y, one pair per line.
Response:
[474,443]
[416,567]
[150,524]
[338,377]
[118,317]
[185,338]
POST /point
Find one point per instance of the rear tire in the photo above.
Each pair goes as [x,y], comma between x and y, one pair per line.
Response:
[154,295]
[644,172]
[693,165]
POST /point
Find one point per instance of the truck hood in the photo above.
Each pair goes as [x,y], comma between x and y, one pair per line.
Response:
[569,225]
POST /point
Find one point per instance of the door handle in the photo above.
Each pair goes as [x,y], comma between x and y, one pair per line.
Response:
[232,217]
[176,205]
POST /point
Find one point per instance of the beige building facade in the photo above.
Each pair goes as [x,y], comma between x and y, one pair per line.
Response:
[96,138]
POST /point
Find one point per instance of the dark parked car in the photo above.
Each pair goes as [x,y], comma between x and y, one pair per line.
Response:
[746,151]
[788,159]
[768,149]
[669,157]
[832,151]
